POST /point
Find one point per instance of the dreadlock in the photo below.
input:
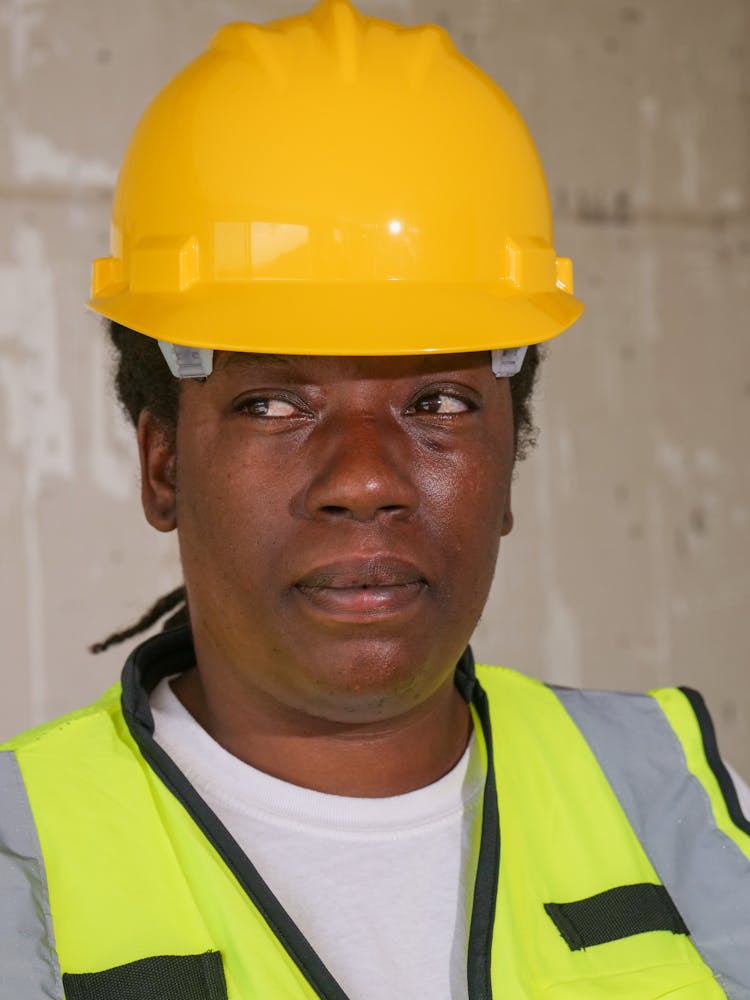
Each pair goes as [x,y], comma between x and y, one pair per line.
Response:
[143,382]
[174,599]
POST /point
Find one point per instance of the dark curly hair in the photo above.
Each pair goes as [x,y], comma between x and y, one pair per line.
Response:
[143,382]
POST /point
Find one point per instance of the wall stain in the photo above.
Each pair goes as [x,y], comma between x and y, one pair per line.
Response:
[728,711]
[698,521]
[631,15]
[621,493]
[603,209]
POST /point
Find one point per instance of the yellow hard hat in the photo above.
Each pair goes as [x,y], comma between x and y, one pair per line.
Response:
[334,184]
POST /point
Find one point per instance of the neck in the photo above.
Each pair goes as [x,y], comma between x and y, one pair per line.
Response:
[373,760]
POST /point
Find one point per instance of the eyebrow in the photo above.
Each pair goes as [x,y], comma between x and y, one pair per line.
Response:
[242,359]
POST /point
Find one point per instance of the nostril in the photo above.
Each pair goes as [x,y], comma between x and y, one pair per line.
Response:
[341,510]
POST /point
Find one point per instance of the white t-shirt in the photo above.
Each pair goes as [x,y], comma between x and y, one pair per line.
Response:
[381,888]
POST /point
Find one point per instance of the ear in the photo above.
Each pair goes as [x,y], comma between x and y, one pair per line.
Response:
[156,450]
[507,526]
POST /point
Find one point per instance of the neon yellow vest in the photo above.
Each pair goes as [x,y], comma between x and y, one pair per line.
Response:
[131,875]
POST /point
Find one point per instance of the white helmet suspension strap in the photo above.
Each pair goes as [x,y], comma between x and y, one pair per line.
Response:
[188,362]
[507,361]
[198,362]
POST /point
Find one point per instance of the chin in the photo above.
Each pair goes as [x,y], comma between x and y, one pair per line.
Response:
[372,685]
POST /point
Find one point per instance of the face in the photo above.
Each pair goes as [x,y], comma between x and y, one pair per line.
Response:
[338,520]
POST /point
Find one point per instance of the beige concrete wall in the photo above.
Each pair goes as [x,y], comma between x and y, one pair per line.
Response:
[630,562]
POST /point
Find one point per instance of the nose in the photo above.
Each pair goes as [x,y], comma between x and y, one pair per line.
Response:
[363,468]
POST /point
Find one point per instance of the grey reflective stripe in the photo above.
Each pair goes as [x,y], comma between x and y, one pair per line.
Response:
[29,969]
[704,871]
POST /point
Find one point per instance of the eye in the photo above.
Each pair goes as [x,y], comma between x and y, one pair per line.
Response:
[273,407]
[443,404]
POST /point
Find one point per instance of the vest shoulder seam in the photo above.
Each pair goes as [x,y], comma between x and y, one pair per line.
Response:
[490,672]
[106,705]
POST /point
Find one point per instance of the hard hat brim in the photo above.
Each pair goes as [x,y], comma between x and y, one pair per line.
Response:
[378,319]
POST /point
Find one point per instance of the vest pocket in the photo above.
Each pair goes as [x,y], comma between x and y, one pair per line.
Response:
[616,914]
[163,977]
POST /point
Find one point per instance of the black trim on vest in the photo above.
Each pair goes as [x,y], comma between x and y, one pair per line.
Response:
[163,977]
[617,913]
[172,652]
[479,966]
[711,750]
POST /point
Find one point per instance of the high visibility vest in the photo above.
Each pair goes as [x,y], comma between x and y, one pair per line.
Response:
[613,858]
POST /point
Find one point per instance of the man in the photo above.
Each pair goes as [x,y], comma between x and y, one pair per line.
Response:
[331,252]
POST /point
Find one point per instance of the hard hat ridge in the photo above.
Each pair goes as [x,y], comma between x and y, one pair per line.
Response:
[349,34]
[254,41]
[425,45]
[343,30]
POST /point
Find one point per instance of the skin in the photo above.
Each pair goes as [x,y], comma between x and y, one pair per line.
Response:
[338,522]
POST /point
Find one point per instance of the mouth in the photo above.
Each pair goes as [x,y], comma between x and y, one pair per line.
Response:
[364,589]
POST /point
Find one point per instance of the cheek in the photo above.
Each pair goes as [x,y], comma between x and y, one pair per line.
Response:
[227,503]
[473,486]
[483,512]
[469,512]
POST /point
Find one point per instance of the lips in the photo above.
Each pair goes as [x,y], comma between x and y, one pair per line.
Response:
[366,588]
